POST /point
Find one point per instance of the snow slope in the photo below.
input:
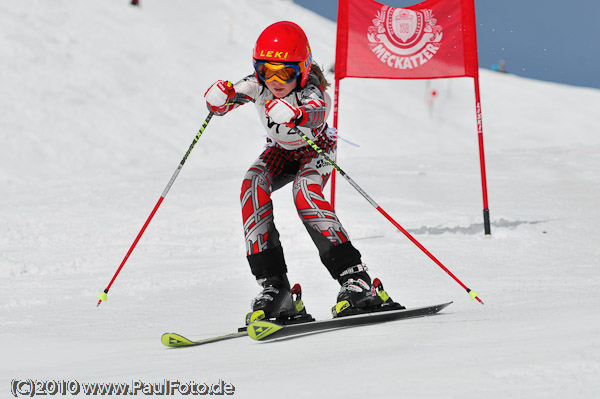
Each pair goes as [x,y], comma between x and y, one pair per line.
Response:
[101,100]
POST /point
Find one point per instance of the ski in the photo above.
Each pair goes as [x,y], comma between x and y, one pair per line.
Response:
[174,340]
[266,331]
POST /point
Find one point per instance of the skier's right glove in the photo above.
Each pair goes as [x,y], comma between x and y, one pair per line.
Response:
[218,97]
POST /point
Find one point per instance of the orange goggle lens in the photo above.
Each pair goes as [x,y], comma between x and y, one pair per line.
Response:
[270,71]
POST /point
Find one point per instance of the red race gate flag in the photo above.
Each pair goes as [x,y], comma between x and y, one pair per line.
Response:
[432,39]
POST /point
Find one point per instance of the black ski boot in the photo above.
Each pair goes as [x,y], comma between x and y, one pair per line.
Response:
[277,302]
[359,295]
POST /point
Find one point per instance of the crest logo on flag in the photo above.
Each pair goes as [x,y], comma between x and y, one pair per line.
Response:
[404,24]
[404,39]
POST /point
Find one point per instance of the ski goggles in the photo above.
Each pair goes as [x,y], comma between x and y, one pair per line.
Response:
[270,71]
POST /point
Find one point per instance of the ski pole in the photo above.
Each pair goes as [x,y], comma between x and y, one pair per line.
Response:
[472,294]
[103,295]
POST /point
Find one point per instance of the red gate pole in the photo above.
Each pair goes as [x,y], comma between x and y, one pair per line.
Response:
[486,209]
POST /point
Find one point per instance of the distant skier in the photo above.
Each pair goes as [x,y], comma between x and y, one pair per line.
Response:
[135,2]
[288,90]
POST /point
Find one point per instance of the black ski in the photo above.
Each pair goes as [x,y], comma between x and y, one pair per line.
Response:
[265,331]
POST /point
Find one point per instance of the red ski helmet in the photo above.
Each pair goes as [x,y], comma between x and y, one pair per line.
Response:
[284,42]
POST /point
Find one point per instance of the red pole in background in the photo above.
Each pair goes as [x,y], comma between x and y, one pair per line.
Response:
[486,209]
[335,125]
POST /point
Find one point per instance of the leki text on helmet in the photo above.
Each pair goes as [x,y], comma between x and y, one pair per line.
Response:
[274,54]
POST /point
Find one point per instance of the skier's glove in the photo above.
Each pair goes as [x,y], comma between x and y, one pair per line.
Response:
[283,113]
[218,97]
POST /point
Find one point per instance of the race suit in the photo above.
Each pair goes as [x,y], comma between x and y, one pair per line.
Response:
[288,158]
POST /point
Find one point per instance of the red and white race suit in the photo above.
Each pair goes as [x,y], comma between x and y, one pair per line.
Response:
[288,158]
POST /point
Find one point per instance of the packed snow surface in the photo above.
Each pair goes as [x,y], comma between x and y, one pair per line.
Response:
[101,100]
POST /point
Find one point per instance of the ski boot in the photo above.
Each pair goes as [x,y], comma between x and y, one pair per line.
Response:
[358,295]
[278,303]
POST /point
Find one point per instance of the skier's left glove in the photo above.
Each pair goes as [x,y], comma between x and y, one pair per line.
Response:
[283,113]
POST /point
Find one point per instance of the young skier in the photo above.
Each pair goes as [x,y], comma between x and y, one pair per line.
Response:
[288,91]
